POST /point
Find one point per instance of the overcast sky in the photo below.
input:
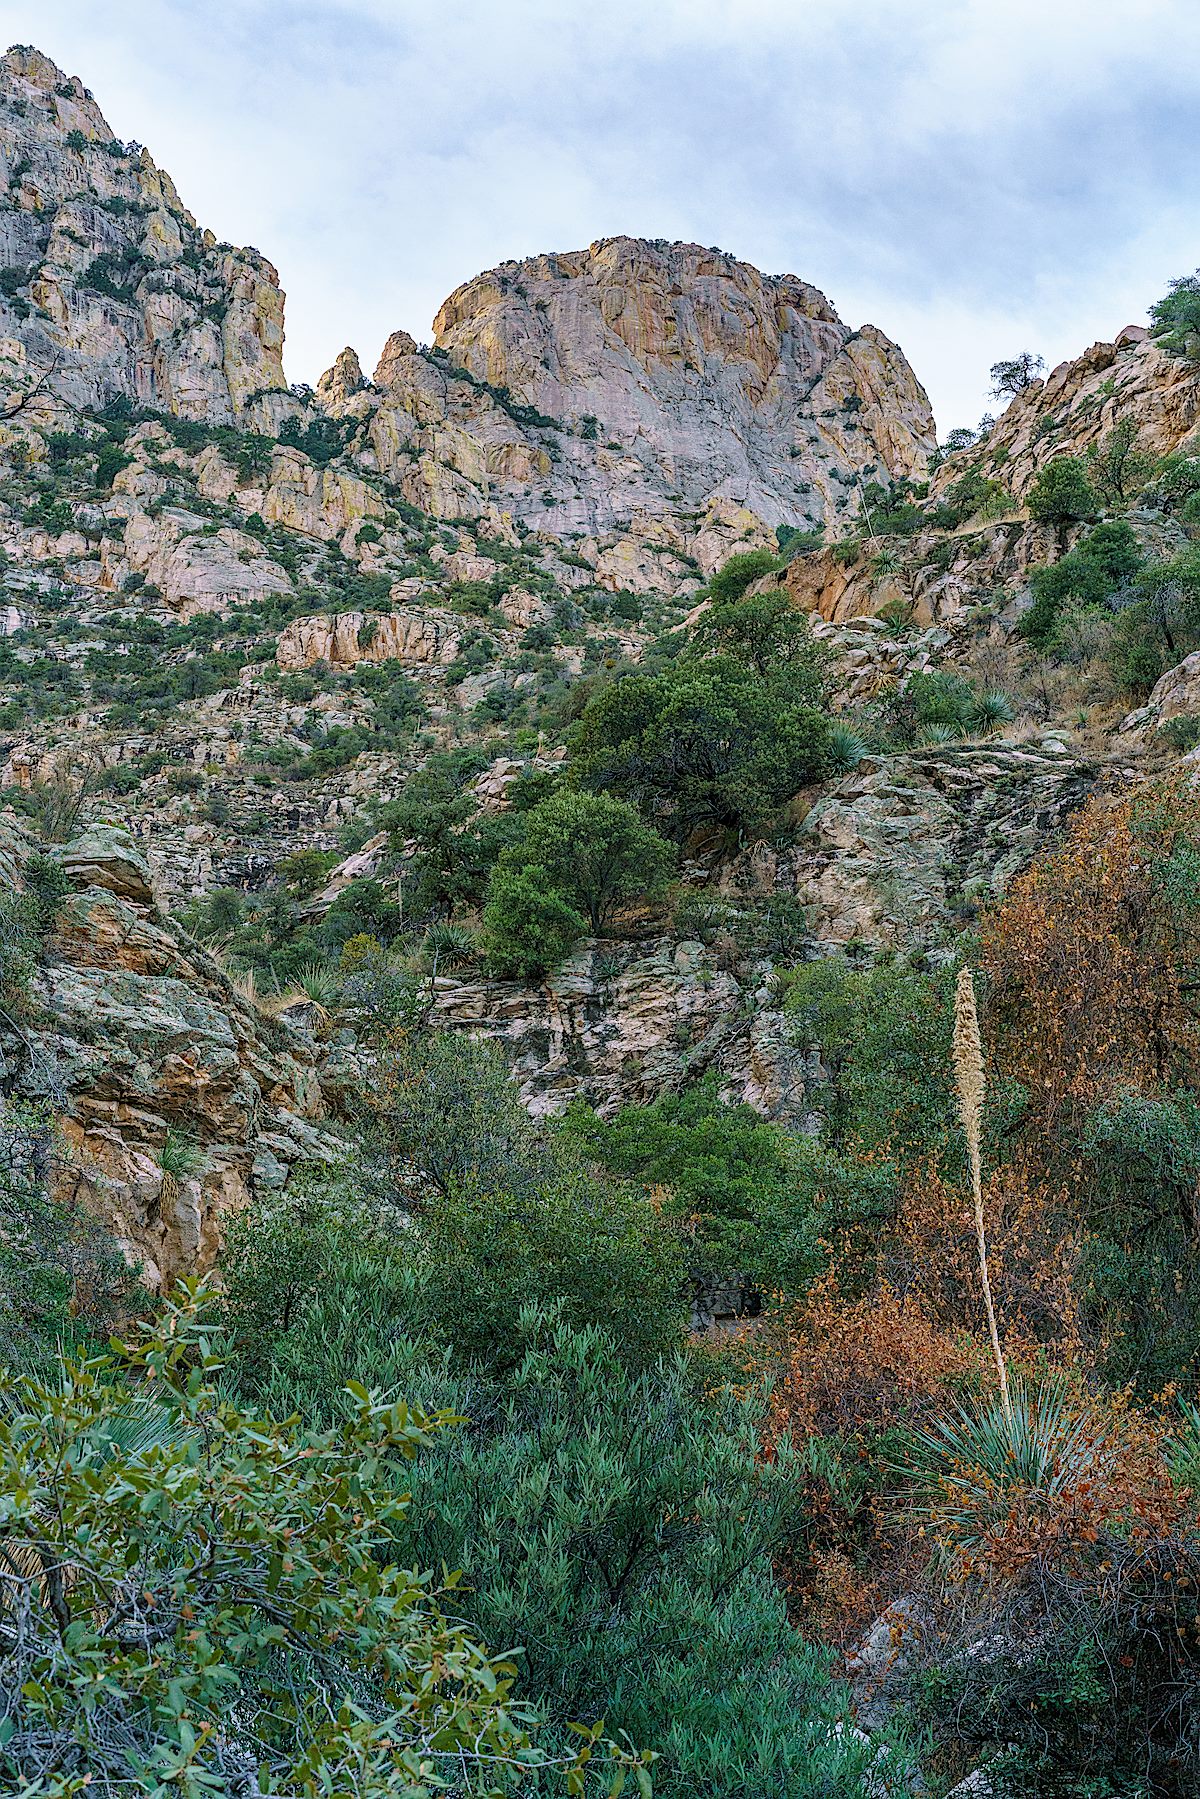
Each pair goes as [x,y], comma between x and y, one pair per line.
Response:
[973,176]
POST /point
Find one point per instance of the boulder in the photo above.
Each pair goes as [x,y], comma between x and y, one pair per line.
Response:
[107,856]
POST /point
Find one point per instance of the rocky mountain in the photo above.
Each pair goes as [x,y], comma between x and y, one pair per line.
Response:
[660,402]
[110,287]
[240,620]
[649,386]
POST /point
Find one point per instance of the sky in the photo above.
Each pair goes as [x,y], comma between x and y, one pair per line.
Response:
[975,177]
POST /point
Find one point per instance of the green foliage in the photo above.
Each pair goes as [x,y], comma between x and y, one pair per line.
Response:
[1175,319]
[116,273]
[766,632]
[1176,479]
[616,1524]
[451,845]
[973,495]
[755,1200]
[703,743]
[508,1213]
[1061,493]
[968,1467]
[61,1274]
[884,1035]
[1182,732]
[528,927]
[736,575]
[1151,634]
[1015,375]
[220,1585]
[1117,469]
[1140,1276]
[109,463]
[1101,565]
[846,748]
[321,439]
[595,851]
[894,511]
[939,706]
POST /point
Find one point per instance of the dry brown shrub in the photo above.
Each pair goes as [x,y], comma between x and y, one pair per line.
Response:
[1032,1247]
[1093,958]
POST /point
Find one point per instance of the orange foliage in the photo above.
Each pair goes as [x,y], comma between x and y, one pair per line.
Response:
[852,1372]
[855,1367]
[1094,953]
[1032,1248]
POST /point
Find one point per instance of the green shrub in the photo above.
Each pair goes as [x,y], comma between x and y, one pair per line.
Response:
[1182,733]
[766,632]
[1100,566]
[62,1276]
[736,575]
[884,1035]
[1175,319]
[618,1526]
[1139,1283]
[232,1605]
[703,743]
[973,495]
[755,1200]
[595,851]
[506,1213]
[528,927]
[1061,493]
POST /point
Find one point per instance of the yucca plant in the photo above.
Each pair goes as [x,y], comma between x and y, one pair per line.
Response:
[1182,1448]
[980,1463]
[179,1157]
[897,611]
[449,945]
[845,749]
[993,708]
[933,735]
[320,982]
[970,1082]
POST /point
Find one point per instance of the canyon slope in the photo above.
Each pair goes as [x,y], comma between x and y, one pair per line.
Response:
[240,618]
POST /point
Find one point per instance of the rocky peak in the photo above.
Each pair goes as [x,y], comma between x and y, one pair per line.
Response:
[608,389]
[344,379]
[110,289]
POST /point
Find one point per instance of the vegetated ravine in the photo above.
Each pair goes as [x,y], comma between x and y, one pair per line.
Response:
[599,953]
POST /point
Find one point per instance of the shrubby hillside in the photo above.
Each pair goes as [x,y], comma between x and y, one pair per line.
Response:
[598,1033]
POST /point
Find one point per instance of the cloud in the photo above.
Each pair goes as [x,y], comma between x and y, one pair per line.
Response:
[971,177]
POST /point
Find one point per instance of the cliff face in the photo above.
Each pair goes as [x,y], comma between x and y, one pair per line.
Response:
[660,405]
[136,1038]
[639,384]
[1077,405]
[105,278]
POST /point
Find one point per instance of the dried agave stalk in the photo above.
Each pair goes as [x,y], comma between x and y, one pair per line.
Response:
[969,1079]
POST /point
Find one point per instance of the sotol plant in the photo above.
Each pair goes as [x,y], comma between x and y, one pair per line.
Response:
[970,1080]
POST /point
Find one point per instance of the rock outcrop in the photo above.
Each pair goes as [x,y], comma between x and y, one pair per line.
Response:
[421,638]
[903,849]
[619,1023]
[137,1040]
[1077,405]
[599,390]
